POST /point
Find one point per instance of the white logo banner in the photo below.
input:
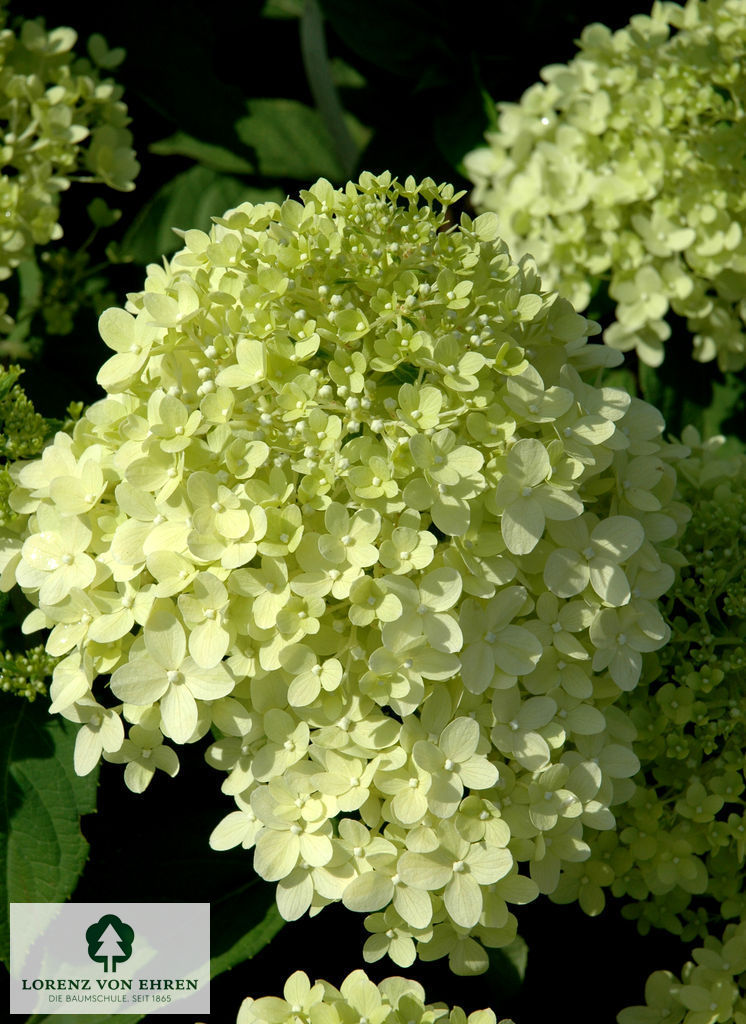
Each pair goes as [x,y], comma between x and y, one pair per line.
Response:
[109,958]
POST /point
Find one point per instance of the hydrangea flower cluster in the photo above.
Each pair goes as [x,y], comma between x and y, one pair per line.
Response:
[683,833]
[627,164]
[711,988]
[350,502]
[59,121]
[393,1001]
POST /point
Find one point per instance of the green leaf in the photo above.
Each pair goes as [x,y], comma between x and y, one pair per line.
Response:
[283,9]
[508,967]
[189,200]
[218,158]
[397,35]
[290,140]
[232,941]
[42,850]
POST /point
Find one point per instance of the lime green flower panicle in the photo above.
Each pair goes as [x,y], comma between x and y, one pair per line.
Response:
[627,164]
[350,501]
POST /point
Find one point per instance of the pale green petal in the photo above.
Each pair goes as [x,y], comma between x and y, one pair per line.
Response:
[558,504]
[443,633]
[518,889]
[459,739]
[488,865]
[625,667]
[522,525]
[165,640]
[585,720]
[414,905]
[294,895]
[609,581]
[178,713]
[315,849]
[531,751]
[445,794]
[367,892]
[137,777]
[451,515]
[477,667]
[140,681]
[304,690]
[409,805]
[478,773]
[429,756]
[207,683]
[275,854]
[528,461]
[422,871]
[516,650]
[88,749]
[441,589]
[618,761]
[618,537]
[566,573]
[536,711]
[230,831]
[166,759]
[468,958]
[463,900]
[208,644]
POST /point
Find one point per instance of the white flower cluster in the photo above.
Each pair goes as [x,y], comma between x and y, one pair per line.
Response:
[393,1001]
[350,503]
[627,164]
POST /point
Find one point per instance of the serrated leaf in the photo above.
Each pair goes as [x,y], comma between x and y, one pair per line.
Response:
[218,158]
[189,200]
[290,140]
[42,850]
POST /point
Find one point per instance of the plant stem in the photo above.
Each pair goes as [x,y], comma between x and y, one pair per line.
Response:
[318,71]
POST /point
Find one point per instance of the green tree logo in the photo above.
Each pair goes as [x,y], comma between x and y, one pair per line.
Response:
[109,941]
